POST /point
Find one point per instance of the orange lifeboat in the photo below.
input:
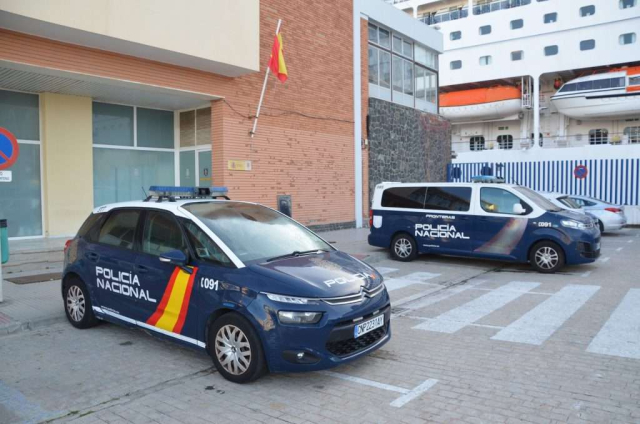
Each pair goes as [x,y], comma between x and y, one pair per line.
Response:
[481,104]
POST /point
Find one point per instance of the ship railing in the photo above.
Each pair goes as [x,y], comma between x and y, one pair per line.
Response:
[631,137]
[463,12]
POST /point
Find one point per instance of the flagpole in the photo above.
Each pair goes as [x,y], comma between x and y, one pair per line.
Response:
[264,87]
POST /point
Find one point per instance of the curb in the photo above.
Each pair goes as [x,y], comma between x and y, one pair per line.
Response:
[17,327]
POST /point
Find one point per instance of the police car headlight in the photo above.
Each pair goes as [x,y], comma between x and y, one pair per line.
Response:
[570,223]
[289,299]
[291,317]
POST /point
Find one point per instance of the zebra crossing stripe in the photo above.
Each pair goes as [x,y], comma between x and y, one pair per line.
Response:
[470,312]
[541,322]
[620,336]
[407,280]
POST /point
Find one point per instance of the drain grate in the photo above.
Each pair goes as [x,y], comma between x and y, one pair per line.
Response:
[38,278]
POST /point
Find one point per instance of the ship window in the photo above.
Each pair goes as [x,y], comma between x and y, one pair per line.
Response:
[568,87]
[517,55]
[485,29]
[485,60]
[550,18]
[517,24]
[455,35]
[455,64]
[599,136]
[617,82]
[587,45]
[632,134]
[600,84]
[551,50]
[476,143]
[505,141]
[585,85]
[625,4]
[634,81]
[628,38]
[587,11]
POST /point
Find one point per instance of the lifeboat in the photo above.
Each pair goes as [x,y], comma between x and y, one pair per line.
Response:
[612,94]
[481,104]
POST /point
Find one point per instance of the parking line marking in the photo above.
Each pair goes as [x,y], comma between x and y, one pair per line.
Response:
[407,395]
[620,336]
[603,260]
[619,249]
[585,274]
[385,270]
[414,393]
[537,325]
[470,312]
[630,241]
[409,279]
[418,301]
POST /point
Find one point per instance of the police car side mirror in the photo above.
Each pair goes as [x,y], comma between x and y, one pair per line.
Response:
[518,209]
[177,258]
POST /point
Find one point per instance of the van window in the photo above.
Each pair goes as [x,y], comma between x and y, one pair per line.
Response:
[404,197]
[448,198]
[497,200]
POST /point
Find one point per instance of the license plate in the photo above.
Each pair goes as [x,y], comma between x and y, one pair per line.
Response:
[368,326]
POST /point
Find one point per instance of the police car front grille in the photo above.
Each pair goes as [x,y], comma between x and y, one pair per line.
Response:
[355,298]
[350,346]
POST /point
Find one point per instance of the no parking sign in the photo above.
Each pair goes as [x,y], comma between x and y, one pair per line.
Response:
[580,172]
[9,149]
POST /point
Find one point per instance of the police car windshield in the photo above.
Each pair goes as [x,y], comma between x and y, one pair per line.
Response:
[569,202]
[538,199]
[254,232]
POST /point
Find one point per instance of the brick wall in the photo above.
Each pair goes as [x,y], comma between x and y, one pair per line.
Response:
[406,145]
[304,142]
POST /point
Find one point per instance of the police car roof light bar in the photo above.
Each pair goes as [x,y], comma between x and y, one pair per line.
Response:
[171,193]
[487,179]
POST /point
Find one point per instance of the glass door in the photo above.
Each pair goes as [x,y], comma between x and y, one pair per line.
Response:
[204,168]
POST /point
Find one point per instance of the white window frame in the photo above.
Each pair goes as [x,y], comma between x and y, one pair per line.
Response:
[196,148]
[485,60]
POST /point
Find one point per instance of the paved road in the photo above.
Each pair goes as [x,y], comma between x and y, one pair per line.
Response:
[473,341]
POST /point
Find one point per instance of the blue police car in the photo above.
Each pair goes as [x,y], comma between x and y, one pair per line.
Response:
[489,220]
[255,289]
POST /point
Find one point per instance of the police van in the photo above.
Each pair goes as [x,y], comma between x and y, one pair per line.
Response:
[255,289]
[486,220]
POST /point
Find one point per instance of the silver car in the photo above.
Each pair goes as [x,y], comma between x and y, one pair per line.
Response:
[610,217]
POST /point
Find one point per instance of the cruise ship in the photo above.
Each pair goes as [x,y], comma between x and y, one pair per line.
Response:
[538,89]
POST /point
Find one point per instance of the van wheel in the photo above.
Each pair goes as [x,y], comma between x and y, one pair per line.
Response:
[77,305]
[546,257]
[236,349]
[404,248]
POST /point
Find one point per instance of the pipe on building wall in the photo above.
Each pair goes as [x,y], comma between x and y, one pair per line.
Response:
[536,112]
[357,114]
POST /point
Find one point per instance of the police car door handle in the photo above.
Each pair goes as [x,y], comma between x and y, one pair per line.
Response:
[140,269]
[92,256]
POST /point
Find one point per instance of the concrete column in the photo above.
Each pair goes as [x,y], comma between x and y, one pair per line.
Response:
[536,112]
[470,7]
[67,158]
[357,110]
[415,12]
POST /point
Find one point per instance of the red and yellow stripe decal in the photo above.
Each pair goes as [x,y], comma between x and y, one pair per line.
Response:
[172,310]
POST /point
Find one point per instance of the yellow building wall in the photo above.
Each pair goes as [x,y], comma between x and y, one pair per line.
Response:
[67,156]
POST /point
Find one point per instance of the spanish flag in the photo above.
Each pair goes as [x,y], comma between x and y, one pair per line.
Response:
[276,61]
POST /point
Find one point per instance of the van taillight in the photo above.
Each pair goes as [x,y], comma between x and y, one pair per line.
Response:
[614,210]
[66,245]
[370,218]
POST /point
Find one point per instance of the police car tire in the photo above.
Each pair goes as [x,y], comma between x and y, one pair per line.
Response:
[257,367]
[547,244]
[88,320]
[411,242]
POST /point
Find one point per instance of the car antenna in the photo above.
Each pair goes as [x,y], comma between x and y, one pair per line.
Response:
[144,191]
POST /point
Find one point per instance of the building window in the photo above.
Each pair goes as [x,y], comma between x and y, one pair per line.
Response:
[632,134]
[426,57]
[551,18]
[426,87]
[628,38]
[486,29]
[485,60]
[587,45]
[599,136]
[626,4]
[455,35]
[505,142]
[517,55]
[517,24]
[551,50]
[587,11]
[634,81]
[476,143]
[455,64]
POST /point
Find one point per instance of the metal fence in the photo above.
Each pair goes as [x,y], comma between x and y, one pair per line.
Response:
[612,180]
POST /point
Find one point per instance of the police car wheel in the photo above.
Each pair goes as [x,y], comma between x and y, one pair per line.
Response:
[236,349]
[547,257]
[404,248]
[77,305]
